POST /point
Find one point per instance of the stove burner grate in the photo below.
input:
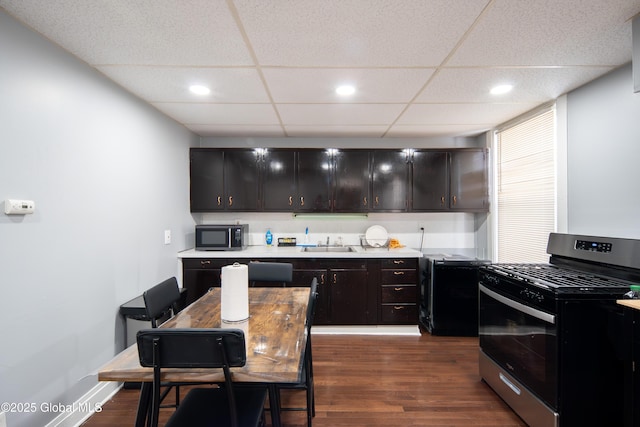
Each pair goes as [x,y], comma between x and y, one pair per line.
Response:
[557,277]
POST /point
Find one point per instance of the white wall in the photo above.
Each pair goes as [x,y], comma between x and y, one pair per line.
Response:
[603,171]
[108,174]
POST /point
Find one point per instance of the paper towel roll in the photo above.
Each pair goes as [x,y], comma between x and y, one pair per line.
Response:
[234,303]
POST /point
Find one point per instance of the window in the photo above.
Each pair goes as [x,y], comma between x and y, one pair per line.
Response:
[526,188]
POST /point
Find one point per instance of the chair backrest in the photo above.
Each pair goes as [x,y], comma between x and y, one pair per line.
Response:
[191,348]
[159,299]
[270,272]
[311,306]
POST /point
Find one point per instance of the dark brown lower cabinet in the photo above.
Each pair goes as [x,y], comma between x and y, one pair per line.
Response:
[366,291]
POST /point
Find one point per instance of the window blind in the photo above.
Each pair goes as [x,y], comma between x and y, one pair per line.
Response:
[526,188]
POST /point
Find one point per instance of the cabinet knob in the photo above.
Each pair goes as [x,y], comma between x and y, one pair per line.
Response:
[230,200]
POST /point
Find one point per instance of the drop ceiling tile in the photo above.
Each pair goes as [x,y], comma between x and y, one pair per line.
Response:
[171,84]
[317,85]
[550,32]
[436,130]
[336,131]
[462,114]
[530,85]
[338,114]
[219,114]
[356,32]
[171,32]
[237,130]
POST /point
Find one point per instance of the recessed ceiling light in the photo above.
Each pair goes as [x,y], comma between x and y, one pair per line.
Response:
[199,89]
[501,89]
[345,90]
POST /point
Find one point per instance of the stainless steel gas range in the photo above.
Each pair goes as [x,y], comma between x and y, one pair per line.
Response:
[551,334]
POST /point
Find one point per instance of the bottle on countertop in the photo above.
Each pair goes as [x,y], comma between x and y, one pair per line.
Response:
[269,237]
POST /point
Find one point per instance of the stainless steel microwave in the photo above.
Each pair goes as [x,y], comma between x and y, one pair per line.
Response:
[221,237]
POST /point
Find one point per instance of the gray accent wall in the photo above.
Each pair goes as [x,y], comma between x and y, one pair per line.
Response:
[603,157]
[108,174]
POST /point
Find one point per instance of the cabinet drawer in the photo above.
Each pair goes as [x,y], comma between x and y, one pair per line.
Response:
[399,314]
[398,276]
[399,263]
[398,294]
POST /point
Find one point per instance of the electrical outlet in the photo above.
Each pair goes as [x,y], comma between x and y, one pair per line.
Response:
[3,420]
[167,237]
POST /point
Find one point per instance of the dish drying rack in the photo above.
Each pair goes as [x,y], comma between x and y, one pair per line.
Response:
[373,244]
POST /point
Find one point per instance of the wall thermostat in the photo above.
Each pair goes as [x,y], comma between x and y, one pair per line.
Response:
[19,207]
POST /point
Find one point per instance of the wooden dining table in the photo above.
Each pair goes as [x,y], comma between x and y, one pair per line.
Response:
[275,336]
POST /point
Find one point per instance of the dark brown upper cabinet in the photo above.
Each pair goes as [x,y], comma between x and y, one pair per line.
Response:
[351,178]
[278,186]
[389,180]
[207,178]
[469,180]
[314,174]
[224,180]
[454,180]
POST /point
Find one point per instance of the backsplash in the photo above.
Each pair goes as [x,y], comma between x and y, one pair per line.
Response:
[442,231]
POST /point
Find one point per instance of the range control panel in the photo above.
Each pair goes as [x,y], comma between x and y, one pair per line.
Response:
[592,246]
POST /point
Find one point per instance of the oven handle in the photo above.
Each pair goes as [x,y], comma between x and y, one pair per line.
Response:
[545,317]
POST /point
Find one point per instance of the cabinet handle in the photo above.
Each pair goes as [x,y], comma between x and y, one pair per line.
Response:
[322,279]
[290,200]
[377,200]
[230,200]
[335,278]
[398,273]
[364,201]
[398,261]
[442,201]
[398,307]
[398,289]
[301,200]
[455,200]
[219,200]
[203,263]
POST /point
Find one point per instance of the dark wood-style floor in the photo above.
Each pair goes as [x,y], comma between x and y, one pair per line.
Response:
[378,381]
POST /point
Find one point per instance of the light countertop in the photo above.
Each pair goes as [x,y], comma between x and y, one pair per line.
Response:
[263,251]
[631,303]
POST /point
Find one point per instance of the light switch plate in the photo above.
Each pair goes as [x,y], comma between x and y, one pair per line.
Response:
[167,239]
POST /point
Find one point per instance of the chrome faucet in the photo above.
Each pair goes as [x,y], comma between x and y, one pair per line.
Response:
[327,240]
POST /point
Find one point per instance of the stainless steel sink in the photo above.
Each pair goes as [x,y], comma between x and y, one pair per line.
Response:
[328,249]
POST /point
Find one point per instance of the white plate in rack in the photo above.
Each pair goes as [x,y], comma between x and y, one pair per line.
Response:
[376,236]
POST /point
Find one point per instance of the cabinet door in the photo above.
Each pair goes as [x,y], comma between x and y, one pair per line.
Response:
[206,186]
[314,171]
[430,181]
[278,180]
[348,297]
[241,180]
[390,172]
[303,276]
[198,282]
[469,180]
[351,181]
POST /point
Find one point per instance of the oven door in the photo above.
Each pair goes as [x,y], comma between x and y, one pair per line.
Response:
[520,339]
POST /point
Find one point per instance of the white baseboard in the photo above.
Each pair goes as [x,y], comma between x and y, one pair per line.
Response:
[411,330]
[75,414]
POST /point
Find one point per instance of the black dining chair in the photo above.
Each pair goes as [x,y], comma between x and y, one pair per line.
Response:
[198,348]
[161,304]
[307,367]
[267,273]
